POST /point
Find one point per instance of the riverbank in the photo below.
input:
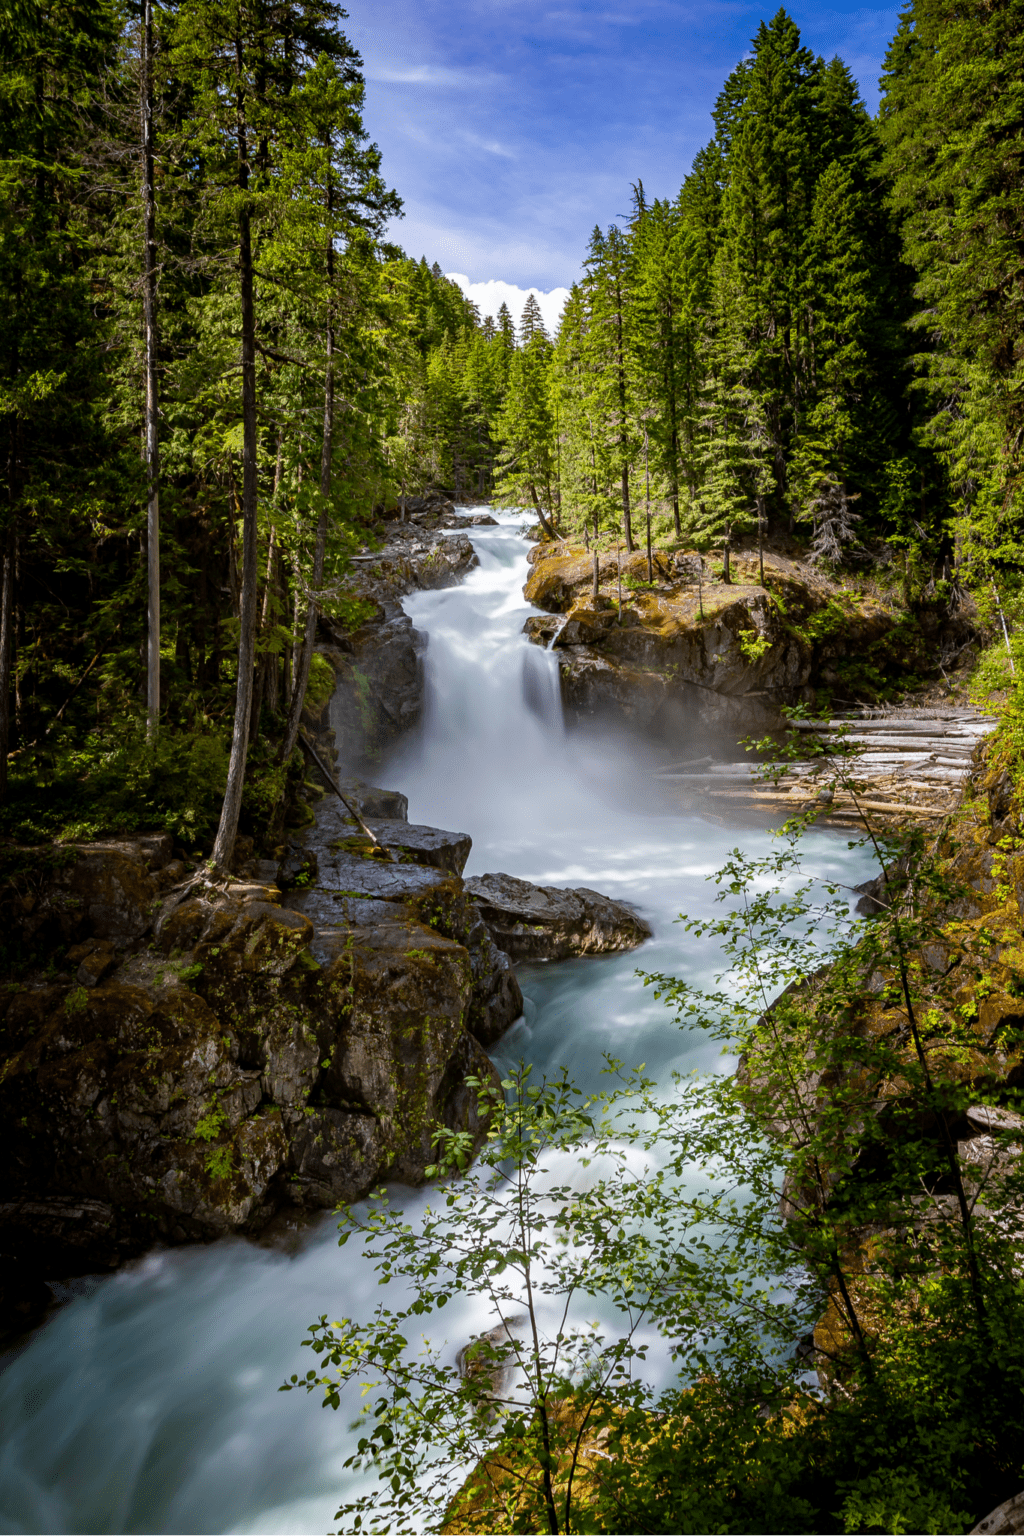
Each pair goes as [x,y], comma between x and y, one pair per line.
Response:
[176,1358]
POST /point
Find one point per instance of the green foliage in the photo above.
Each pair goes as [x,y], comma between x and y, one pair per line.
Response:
[887,1244]
[219,1163]
[121,782]
[754,645]
[322,683]
[76,1001]
[895,1500]
[209,1127]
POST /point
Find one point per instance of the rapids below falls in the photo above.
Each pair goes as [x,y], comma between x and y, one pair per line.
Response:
[149,1401]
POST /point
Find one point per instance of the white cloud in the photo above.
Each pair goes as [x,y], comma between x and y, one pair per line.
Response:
[489,296]
[489,146]
[432,75]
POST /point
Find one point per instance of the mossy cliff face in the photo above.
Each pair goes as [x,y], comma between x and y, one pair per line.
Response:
[192,1067]
[379,691]
[722,655]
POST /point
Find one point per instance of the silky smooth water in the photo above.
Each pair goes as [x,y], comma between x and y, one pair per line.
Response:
[149,1402]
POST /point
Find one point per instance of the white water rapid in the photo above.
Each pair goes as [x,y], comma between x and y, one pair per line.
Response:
[149,1403]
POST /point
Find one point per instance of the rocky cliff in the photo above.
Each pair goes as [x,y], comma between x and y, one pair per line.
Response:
[691,649]
[183,1059]
[379,693]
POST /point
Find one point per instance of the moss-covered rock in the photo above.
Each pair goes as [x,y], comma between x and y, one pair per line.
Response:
[725,654]
[230,1058]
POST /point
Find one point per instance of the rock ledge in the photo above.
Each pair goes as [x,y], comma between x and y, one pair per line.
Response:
[545,922]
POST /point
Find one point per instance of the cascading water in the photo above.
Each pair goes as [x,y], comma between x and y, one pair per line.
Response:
[149,1402]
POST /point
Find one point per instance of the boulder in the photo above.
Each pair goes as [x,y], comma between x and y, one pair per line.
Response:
[389,804]
[362,887]
[532,922]
[423,845]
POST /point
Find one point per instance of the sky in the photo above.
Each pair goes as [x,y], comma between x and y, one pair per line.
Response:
[510,130]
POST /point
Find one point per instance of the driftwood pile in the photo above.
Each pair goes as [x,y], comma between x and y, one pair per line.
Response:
[905,763]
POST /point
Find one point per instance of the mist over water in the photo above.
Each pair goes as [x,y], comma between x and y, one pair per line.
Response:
[149,1402]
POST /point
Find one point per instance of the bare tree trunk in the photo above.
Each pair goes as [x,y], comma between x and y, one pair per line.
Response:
[227,831]
[760,536]
[647,506]
[152,409]
[305,657]
[540,512]
[6,626]
[627,522]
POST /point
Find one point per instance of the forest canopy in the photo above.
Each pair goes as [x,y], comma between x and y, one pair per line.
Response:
[216,367]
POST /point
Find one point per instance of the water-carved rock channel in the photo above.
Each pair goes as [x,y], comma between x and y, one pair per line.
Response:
[149,1402]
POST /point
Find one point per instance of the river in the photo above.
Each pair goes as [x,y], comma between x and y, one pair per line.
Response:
[148,1403]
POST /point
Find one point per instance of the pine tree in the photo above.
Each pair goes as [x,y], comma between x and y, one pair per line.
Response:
[532,322]
[526,433]
[950,121]
[506,327]
[51,59]
[607,343]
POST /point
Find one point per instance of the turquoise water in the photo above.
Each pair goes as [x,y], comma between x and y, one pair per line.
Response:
[149,1402]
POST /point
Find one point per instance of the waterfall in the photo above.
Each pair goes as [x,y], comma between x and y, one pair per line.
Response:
[149,1402]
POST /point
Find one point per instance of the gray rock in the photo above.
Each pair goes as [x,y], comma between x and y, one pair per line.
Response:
[497,1000]
[371,801]
[379,694]
[872,897]
[1006,1520]
[532,922]
[424,845]
[298,867]
[378,879]
[987,1118]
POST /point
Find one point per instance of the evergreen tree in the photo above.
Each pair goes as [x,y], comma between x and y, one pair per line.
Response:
[950,121]
[56,441]
[532,322]
[607,356]
[506,326]
[526,433]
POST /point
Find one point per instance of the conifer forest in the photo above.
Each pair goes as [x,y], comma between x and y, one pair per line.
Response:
[711,595]
[215,365]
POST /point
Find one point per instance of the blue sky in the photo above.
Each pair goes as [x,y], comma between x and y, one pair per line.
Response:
[510,130]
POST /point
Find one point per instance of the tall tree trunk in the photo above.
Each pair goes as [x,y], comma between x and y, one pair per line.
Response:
[549,531]
[305,656]
[675,477]
[6,627]
[647,507]
[627,522]
[227,831]
[152,412]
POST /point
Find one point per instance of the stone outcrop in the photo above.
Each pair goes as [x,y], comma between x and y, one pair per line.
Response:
[193,1062]
[724,656]
[367,882]
[535,922]
[379,691]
